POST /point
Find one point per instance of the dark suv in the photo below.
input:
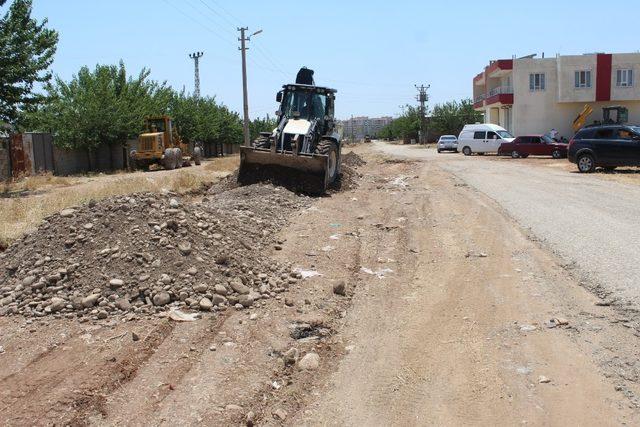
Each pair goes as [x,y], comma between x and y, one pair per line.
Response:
[606,146]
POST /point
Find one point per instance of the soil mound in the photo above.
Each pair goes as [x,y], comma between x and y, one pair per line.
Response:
[142,253]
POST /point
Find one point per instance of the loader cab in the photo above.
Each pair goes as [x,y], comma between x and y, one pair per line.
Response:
[161,124]
[308,103]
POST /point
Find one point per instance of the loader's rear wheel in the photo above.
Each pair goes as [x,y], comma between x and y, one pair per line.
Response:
[330,149]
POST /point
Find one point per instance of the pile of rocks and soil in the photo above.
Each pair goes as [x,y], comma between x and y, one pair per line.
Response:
[141,254]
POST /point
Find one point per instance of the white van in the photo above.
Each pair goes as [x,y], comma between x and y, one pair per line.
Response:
[482,138]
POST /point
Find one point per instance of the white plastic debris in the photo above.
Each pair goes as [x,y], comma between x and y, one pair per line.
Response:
[379,273]
[180,316]
[307,273]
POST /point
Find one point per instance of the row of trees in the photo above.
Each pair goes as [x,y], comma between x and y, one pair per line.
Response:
[97,106]
[106,106]
[446,118]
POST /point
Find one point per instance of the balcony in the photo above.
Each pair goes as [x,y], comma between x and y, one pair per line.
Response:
[478,101]
[501,95]
[499,68]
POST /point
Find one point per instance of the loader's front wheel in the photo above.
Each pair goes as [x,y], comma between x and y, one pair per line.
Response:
[168,161]
[329,149]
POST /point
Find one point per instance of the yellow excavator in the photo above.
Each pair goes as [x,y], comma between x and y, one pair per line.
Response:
[621,116]
[161,144]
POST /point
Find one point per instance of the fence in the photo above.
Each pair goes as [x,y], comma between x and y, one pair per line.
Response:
[31,153]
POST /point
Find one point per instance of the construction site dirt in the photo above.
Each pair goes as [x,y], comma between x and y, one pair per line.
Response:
[403,298]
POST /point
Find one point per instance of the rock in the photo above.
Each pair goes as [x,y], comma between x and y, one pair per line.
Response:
[527,328]
[290,356]
[192,271]
[29,280]
[233,408]
[340,288]
[218,299]
[250,419]
[543,380]
[280,414]
[174,203]
[166,279]
[57,304]
[134,336]
[88,226]
[239,287]
[201,288]
[184,248]
[161,298]
[65,213]
[123,304]
[246,300]
[220,290]
[90,301]
[309,362]
[116,283]
[205,304]
[289,302]
[102,314]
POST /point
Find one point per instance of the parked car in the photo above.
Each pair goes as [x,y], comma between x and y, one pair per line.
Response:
[606,146]
[536,145]
[447,143]
[482,138]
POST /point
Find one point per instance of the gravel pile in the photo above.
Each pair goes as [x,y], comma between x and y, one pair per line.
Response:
[143,253]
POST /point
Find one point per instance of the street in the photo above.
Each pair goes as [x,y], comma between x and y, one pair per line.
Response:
[452,313]
[588,221]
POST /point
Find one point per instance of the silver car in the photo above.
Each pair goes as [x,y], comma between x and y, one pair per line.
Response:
[447,143]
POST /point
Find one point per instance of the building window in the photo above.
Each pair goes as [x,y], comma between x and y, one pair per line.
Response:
[583,79]
[536,82]
[624,78]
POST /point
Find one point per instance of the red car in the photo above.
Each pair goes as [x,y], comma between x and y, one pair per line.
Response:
[537,145]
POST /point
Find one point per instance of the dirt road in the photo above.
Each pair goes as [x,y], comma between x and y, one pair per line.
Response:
[444,321]
[589,220]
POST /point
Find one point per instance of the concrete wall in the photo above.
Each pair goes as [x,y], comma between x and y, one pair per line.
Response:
[533,110]
[629,61]
[566,68]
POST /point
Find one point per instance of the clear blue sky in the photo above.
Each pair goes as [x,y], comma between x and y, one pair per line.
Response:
[373,52]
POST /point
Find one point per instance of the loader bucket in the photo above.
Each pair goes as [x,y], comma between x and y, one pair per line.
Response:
[305,173]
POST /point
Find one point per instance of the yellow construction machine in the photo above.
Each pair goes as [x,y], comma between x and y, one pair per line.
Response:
[621,116]
[161,144]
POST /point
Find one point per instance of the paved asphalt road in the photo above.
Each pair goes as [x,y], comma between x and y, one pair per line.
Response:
[583,218]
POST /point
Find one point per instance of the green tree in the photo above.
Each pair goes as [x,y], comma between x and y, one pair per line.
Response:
[404,127]
[450,117]
[26,52]
[100,106]
[262,124]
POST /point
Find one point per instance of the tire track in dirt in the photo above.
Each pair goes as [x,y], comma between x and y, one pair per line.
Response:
[66,383]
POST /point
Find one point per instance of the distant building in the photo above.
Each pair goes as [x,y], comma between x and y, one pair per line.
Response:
[533,95]
[361,126]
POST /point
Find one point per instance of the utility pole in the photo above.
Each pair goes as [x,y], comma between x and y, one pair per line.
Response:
[245,96]
[422,98]
[196,60]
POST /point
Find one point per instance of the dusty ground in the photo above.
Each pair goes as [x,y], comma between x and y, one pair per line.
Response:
[23,204]
[443,323]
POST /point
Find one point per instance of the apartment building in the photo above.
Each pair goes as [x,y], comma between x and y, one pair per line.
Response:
[363,125]
[533,95]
